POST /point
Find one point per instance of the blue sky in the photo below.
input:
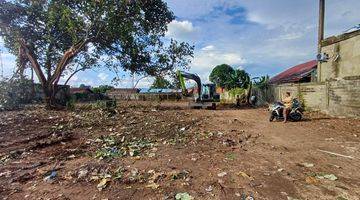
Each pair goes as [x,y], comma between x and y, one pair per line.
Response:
[260,36]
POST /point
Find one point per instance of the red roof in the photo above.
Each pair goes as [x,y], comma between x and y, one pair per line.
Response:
[80,90]
[294,74]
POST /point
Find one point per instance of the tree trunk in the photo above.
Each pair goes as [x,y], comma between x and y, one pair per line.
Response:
[49,96]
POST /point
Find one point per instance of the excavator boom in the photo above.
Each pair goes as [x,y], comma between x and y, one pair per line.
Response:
[196,78]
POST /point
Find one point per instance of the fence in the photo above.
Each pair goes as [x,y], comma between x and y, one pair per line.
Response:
[337,97]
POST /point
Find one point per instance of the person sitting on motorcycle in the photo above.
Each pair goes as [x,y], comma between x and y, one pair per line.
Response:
[287,101]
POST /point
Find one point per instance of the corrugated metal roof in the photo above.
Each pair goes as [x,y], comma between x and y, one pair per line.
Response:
[294,74]
[158,90]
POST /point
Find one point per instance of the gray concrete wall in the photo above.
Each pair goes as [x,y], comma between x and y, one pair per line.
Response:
[344,57]
[339,98]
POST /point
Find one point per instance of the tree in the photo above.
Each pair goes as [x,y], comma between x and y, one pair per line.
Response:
[161,82]
[226,77]
[221,75]
[262,82]
[239,78]
[57,37]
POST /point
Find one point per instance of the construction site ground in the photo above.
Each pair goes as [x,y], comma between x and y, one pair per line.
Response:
[151,150]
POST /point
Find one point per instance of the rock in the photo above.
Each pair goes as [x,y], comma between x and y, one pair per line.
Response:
[331,177]
[221,174]
[153,186]
[305,164]
[51,177]
[103,184]
[209,189]
[183,196]
[82,173]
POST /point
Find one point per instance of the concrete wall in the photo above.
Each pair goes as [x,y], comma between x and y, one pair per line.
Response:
[344,57]
[337,98]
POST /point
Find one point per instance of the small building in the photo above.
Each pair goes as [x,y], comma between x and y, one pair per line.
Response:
[124,93]
[81,90]
[303,73]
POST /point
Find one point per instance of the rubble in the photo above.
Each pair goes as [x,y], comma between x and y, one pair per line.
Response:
[166,152]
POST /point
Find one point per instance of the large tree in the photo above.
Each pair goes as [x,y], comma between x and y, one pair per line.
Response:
[57,37]
[239,78]
[227,77]
[221,75]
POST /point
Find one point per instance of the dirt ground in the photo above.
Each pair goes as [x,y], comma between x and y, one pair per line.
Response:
[163,151]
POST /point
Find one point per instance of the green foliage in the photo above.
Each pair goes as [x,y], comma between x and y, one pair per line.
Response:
[108,106]
[262,82]
[237,92]
[161,82]
[102,89]
[14,92]
[239,78]
[70,104]
[59,35]
[226,77]
[221,75]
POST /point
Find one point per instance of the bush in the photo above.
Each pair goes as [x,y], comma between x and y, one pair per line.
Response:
[235,92]
[15,92]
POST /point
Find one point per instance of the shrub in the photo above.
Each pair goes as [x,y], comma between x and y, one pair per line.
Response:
[15,92]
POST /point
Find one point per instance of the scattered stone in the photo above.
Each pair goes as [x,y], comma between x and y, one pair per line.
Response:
[51,177]
[209,189]
[82,173]
[305,164]
[243,174]
[183,196]
[153,186]
[103,184]
[222,174]
[331,177]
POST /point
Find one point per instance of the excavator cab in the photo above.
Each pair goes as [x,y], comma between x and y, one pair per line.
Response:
[209,93]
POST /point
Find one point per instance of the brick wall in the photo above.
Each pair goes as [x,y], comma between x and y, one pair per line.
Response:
[337,98]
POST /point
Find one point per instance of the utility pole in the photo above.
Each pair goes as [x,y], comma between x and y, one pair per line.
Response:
[2,66]
[320,33]
[321,23]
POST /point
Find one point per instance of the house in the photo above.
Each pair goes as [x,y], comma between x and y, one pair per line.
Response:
[81,90]
[302,73]
[123,93]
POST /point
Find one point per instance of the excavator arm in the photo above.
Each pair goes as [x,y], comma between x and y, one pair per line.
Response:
[196,78]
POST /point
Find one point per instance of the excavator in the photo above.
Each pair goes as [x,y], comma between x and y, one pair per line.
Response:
[206,93]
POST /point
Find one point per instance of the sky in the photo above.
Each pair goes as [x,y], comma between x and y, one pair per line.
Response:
[263,37]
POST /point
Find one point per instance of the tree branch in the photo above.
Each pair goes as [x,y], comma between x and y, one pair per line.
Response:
[137,82]
[67,57]
[33,61]
[72,74]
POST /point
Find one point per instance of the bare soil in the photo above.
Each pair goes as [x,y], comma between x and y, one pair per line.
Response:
[155,151]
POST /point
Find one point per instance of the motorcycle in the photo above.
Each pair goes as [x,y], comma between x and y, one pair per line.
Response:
[277,111]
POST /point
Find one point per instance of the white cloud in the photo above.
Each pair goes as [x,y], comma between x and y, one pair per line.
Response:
[205,60]
[288,36]
[8,63]
[208,60]
[103,76]
[181,30]
[208,48]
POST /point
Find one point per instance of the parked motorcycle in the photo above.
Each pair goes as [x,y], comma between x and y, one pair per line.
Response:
[277,111]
